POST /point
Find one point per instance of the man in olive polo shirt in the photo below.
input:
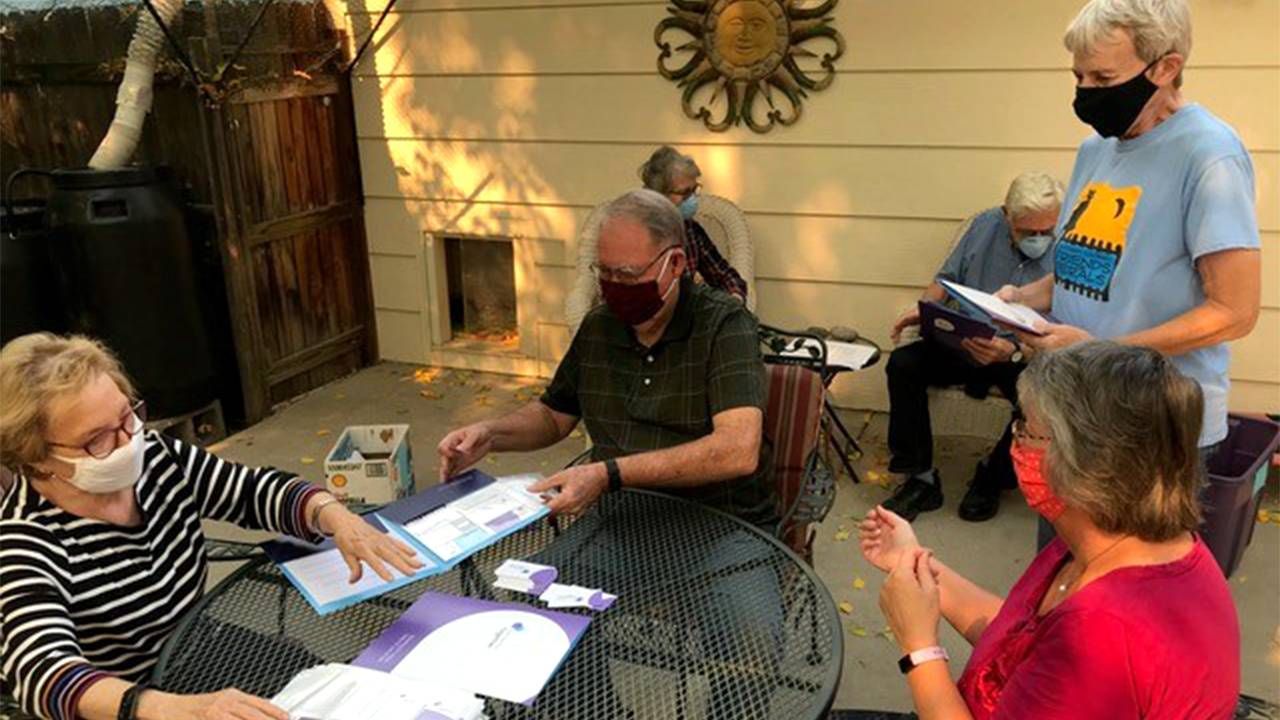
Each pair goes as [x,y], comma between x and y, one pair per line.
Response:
[667,375]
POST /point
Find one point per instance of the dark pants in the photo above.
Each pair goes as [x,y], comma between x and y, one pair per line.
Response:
[912,370]
[1045,532]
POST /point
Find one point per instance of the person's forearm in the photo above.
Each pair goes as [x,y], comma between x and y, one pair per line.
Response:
[966,606]
[934,293]
[531,427]
[935,695]
[714,458]
[101,701]
[1207,324]
[1037,295]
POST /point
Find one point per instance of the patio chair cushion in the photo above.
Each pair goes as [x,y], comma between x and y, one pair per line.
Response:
[792,418]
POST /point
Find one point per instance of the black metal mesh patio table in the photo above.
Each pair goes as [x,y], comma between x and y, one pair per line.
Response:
[714,619]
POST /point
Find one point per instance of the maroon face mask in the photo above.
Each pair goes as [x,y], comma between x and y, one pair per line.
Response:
[636,303]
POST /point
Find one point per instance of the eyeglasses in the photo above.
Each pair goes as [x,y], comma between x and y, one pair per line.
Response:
[684,194]
[1021,435]
[104,443]
[627,275]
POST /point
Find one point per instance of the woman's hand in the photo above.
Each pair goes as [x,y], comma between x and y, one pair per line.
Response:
[884,537]
[910,602]
[359,542]
[229,704]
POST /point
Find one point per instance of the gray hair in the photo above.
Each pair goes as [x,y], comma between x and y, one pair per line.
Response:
[1157,27]
[1125,425]
[652,210]
[664,166]
[1033,191]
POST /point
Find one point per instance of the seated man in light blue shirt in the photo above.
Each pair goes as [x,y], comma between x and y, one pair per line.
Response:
[1000,246]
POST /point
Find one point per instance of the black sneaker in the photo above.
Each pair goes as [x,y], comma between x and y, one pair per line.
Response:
[916,496]
[981,501]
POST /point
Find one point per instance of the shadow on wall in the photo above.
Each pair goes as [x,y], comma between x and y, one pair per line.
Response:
[452,185]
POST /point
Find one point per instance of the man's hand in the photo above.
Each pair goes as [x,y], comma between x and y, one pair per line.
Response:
[987,351]
[463,448]
[579,486]
[905,320]
[1009,294]
[1055,337]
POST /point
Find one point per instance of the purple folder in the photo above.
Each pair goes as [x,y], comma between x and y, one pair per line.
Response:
[948,327]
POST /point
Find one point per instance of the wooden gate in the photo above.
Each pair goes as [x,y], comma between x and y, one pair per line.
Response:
[295,245]
[273,161]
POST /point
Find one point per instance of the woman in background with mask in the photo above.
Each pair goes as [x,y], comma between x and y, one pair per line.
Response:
[1126,614]
[101,548]
[676,176]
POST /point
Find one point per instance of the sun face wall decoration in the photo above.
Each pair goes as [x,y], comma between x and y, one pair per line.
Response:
[740,52]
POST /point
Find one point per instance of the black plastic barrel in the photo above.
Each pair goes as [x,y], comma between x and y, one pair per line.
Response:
[30,298]
[125,260]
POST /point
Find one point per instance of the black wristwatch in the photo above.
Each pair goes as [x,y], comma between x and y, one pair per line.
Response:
[615,475]
[1017,355]
[129,703]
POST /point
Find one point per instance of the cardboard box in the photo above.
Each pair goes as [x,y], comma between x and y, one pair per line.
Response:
[370,464]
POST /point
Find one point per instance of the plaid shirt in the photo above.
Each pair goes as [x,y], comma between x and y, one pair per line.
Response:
[635,399]
[706,260]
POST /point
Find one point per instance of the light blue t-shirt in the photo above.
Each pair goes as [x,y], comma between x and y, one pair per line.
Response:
[1139,214]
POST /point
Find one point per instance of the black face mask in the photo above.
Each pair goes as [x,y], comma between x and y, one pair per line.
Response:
[1111,110]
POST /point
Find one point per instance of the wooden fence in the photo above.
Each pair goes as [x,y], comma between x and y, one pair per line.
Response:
[268,155]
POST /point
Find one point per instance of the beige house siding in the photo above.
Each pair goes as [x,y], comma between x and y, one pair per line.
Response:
[515,117]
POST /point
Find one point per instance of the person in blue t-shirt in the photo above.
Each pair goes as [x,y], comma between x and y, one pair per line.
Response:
[998,246]
[1158,242]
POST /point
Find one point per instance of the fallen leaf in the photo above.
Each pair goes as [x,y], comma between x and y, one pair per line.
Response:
[308,460]
[430,394]
[1264,516]
[842,534]
[1242,579]
[493,460]
[341,396]
[576,434]
[426,376]
[482,389]
[323,431]
[484,400]
[858,630]
[859,584]
[846,607]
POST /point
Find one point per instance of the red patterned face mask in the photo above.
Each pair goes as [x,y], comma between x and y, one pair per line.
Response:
[1028,466]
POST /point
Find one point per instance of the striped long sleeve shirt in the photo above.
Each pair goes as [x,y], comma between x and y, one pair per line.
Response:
[81,599]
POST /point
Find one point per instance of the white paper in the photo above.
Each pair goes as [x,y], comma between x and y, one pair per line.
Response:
[483,654]
[1015,314]
[854,356]
[448,533]
[323,576]
[569,596]
[525,577]
[345,692]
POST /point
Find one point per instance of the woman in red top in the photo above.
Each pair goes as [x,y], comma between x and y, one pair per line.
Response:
[1126,614]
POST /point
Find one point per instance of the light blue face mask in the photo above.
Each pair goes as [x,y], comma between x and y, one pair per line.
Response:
[1035,246]
[688,207]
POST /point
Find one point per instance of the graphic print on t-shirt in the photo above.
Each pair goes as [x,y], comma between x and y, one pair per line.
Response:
[1093,239]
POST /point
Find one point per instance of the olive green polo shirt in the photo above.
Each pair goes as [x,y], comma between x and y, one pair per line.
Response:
[636,399]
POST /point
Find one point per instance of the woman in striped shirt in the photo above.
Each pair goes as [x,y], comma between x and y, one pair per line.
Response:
[101,549]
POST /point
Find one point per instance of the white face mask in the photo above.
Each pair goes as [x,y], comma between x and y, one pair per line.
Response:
[117,471]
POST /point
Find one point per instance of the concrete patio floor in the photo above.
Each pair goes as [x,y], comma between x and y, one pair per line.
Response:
[993,554]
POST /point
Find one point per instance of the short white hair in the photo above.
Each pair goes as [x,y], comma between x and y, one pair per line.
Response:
[1033,191]
[1157,27]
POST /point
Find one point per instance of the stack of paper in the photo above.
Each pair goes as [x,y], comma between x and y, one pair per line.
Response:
[345,692]
[525,577]
[567,596]
[1012,314]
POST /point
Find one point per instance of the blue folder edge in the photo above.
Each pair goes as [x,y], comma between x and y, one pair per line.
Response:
[391,519]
